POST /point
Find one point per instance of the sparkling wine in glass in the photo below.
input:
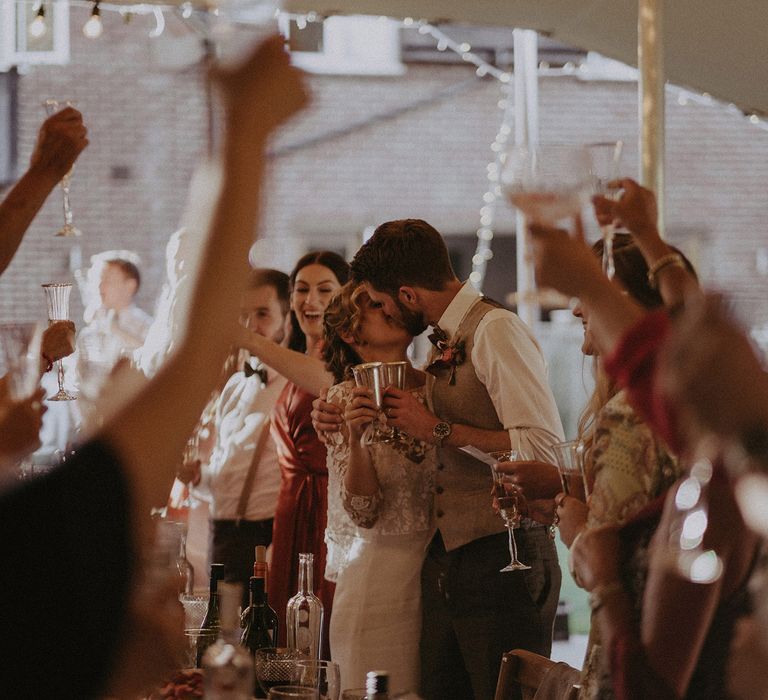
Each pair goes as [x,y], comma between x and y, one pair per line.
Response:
[508,499]
[547,183]
[52,106]
[570,465]
[57,301]
[606,164]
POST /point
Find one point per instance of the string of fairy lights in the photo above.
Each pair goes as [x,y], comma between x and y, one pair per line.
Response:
[93,28]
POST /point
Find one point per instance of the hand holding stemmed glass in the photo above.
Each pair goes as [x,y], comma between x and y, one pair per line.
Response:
[52,106]
[57,302]
[606,163]
[547,183]
[509,499]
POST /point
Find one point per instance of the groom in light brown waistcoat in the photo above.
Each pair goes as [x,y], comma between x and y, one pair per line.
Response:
[487,388]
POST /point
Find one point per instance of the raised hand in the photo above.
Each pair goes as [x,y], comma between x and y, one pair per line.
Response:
[563,261]
[264,88]
[61,139]
[635,209]
[58,340]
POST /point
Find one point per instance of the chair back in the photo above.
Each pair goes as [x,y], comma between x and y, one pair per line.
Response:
[522,673]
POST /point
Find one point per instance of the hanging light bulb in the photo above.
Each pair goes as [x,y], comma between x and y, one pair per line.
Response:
[37,26]
[93,27]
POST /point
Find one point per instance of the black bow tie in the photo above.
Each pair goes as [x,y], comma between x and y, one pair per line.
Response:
[260,372]
[438,337]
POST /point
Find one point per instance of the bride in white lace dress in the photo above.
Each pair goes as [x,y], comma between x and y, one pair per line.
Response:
[379,507]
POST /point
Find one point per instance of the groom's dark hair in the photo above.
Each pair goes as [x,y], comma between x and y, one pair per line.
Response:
[406,252]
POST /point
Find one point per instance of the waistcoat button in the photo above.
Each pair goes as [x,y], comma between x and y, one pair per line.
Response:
[440,514]
[439,490]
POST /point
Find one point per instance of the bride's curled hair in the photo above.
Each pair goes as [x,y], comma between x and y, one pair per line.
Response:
[342,318]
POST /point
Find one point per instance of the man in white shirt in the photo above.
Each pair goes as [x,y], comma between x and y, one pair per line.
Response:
[242,506]
[489,389]
[118,319]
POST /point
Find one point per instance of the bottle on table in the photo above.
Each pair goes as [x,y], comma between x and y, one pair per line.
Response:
[304,614]
[261,624]
[211,621]
[377,685]
[260,566]
[228,667]
[261,570]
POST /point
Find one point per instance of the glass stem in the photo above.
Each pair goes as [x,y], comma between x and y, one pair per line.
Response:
[512,543]
[608,267]
[65,191]
[60,374]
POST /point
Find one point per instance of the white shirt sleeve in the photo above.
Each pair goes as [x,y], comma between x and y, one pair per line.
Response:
[509,362]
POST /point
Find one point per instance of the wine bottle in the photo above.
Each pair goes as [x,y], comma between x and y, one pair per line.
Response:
[377,685]
[260,620]
[304,614]
[211,621]
[228,667]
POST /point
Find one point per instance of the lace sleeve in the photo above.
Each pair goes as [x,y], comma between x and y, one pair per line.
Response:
[362,510]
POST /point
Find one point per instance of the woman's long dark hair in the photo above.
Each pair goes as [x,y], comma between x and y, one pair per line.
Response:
[336,264]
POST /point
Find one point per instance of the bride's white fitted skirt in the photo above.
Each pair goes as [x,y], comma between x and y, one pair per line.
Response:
[376,621]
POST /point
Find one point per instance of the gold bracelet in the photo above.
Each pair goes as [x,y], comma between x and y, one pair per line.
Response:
[600,593]
[665,260]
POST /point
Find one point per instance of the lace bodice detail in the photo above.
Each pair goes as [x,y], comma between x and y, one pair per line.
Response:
[405,471]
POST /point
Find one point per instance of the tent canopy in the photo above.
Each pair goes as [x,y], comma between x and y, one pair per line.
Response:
[710,46]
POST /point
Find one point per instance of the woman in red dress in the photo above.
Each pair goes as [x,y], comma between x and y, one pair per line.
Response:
[302,505]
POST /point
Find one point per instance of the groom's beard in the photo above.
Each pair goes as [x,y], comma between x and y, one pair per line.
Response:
[413,321]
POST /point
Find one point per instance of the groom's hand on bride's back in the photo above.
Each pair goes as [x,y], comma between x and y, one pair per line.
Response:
[326,417]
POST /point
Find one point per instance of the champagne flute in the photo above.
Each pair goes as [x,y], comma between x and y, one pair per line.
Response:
[52,106]
[570,465]
[57,301]
[606,163]
[547,184]
[508,498]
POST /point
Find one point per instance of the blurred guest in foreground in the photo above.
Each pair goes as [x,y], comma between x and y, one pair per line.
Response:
[90,516]
[641,602]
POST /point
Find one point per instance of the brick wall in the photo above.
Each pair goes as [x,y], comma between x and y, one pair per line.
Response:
[368,150]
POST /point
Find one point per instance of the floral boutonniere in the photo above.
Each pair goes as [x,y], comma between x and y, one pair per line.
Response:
[450,357]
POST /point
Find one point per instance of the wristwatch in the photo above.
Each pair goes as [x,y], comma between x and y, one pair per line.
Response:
[440,432]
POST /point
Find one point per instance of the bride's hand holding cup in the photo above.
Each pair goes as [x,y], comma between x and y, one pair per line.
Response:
[360,413]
